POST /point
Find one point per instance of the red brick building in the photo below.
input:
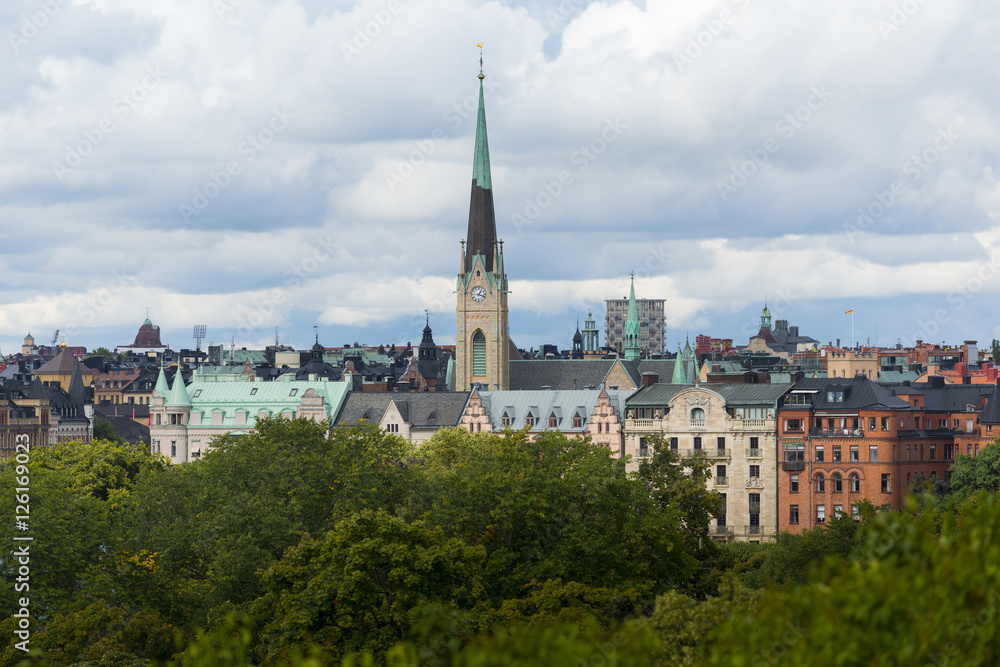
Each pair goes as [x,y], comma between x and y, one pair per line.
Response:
[847,439]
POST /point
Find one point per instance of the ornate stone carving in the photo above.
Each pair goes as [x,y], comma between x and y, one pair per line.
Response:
[755,483]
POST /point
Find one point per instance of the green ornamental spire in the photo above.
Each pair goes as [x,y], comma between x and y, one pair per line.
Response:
[481,239]
[632,326]
[178,393]
[162,388]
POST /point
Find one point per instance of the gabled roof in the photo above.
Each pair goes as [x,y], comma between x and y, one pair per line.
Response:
[991,413]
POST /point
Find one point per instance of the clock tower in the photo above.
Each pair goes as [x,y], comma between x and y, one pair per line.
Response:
[482,341]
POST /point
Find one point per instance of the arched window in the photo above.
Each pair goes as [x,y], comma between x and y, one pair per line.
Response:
[855,483]
[838,483]
[820,483]
[478,354]
[698,414]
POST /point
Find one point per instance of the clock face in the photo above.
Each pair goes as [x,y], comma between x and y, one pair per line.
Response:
[478,294]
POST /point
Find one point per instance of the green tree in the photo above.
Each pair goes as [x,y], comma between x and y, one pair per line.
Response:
[971,474]
[995,351]
[552,508]
[217,523]
[362,586]
[863,610]
[682,485]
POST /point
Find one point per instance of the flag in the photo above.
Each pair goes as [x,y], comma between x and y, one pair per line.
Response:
[849,312]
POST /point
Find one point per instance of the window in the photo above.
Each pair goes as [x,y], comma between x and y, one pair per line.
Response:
[293,391]
[838,510]
[478,354]
[793,484]
[855,481]
[794,452]
[721,444]
[253,391]
[173,448]
[793,514]
[793,425]
[871,423]
[819,453]
[836,453]
[820,483]
[820,513]
[673,444]
[872,453]
[721,519]
[720,475]
[553,421]
[754,444]
[855,455]
[530,421]
[505,420]
[697,442]
[697,415]
[855,514]
[885,482]
[933,452]
[643,448]
[754,472]
[969,427]
[885,423]
[902,422]
[577,421]
[838,483]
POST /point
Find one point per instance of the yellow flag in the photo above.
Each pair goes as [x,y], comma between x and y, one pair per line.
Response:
[849,312]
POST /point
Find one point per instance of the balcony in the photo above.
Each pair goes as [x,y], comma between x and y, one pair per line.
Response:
[643,424]
[753,530]
[698,422]
[722,452]
[722,530]
[754,453]
[793,466]
[754,506]
[757,424]
[722,481]
[837,432]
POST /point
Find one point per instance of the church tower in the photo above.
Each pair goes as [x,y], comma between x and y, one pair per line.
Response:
[482,341]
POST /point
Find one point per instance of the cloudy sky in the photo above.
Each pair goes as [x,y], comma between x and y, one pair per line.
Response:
[246,164]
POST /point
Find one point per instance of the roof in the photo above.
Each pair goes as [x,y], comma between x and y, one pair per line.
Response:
[61,364]
[273,398]
[894,377]
[861,393]
[564,405]
[482,233]
[566,374]
[421,409]
[991,413]
[734,394]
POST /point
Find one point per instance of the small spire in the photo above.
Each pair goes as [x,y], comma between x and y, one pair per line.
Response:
[481,75]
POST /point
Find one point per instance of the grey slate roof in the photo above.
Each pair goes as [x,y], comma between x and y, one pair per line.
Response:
[991,413]
[860,394]
[421,409]
[734,394]
[560,374]
[543,404]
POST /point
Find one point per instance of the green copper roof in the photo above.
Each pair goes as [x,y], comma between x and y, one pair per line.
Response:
[680,376]
[178,396]
[162,388]
[481,159]
[632,327]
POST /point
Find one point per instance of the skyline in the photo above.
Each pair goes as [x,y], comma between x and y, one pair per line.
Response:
[246,162]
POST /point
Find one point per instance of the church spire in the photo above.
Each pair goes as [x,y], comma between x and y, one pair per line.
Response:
[482,236]
[632,326]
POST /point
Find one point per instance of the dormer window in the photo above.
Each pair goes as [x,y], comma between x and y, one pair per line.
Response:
[553,421]
[530,421]
[505,420]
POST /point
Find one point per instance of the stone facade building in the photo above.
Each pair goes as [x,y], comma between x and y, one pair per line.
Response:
[733,426]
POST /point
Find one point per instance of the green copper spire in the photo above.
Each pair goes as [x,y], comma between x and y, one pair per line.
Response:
[162,388]
[632,326]
[178,393]
[679,376]
[482,236]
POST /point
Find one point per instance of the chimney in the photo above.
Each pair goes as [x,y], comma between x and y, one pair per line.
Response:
[649,379]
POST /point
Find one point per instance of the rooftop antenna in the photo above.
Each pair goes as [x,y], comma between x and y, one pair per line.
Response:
[199,335]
